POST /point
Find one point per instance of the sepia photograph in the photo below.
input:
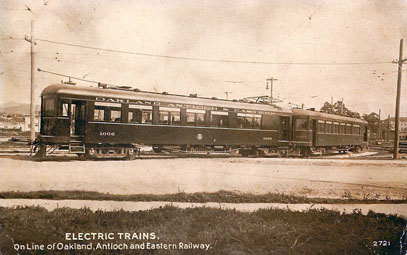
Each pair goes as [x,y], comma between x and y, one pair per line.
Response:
[203,127]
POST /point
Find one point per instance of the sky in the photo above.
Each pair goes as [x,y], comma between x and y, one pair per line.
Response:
[316,49]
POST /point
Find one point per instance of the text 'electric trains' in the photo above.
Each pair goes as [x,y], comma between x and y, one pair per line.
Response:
[114,122]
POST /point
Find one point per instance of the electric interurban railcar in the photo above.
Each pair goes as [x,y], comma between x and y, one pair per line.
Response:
[316,132]
[113,122]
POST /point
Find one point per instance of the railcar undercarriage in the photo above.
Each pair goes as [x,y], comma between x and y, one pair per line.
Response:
[131,151]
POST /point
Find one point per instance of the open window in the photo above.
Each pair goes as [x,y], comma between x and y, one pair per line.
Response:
[219,119]
[141,114]
[249,121]
[195,117]
[63,109]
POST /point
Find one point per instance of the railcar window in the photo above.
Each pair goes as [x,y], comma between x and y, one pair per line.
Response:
[131,117]
[200,119]
[140,114]
[190,119]
[195,117]
[257,122]
[321,126]
[250,121]
[63,108]
[336,128]
[328,127]
[135,116]
[99,115]
[115,115]
[342,128]
[356,129]
[219,119]
[301,124]
[240,121]
[147,117]
[107,112]
[175,118]
[348,129]
[164,117]
[169,116]
[49,107]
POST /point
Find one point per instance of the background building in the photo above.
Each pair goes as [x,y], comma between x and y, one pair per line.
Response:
[388,125]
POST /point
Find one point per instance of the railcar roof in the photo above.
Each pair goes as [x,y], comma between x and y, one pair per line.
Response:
[65,89]
[327,116]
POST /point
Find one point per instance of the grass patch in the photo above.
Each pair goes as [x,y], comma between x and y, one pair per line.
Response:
[266,231]
[198,197]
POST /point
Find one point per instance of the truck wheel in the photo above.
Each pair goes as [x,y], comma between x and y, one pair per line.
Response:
[130,154]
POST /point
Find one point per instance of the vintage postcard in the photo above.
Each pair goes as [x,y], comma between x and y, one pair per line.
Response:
[203,127]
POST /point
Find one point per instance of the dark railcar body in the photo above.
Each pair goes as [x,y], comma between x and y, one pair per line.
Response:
[322,130]
[92,117]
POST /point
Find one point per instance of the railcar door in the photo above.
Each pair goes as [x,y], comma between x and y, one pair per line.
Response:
[284,129]
[314,132]
[78,117]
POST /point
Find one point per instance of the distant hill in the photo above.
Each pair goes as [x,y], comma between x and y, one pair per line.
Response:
[17,108]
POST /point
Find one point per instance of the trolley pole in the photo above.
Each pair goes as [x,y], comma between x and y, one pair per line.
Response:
[397,117]
[271,79]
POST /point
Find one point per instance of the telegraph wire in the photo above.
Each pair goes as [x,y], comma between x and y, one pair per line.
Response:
[92,81]
[11,38]
[333,63]
[296,28]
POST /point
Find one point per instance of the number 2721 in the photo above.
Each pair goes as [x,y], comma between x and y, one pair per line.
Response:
[381,243]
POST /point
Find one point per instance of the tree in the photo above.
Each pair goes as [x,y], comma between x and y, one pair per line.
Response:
[336,108]
[328,108]
[372,120]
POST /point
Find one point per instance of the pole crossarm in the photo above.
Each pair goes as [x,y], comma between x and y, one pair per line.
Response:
[399,61]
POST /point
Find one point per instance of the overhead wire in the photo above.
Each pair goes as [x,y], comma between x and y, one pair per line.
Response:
[213,60]
[72,77]
[295,29]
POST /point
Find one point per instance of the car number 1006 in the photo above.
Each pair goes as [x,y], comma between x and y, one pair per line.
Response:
[107,133]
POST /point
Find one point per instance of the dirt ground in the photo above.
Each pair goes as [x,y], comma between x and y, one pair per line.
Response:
[332,178]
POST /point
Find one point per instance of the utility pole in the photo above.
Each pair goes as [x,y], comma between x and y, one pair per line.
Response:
[342,106]
[379,128]
[397,117]
[227,94]
[388,128]
[271,79]
[32,91]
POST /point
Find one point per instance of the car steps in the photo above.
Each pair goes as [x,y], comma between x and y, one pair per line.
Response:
[76,147]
